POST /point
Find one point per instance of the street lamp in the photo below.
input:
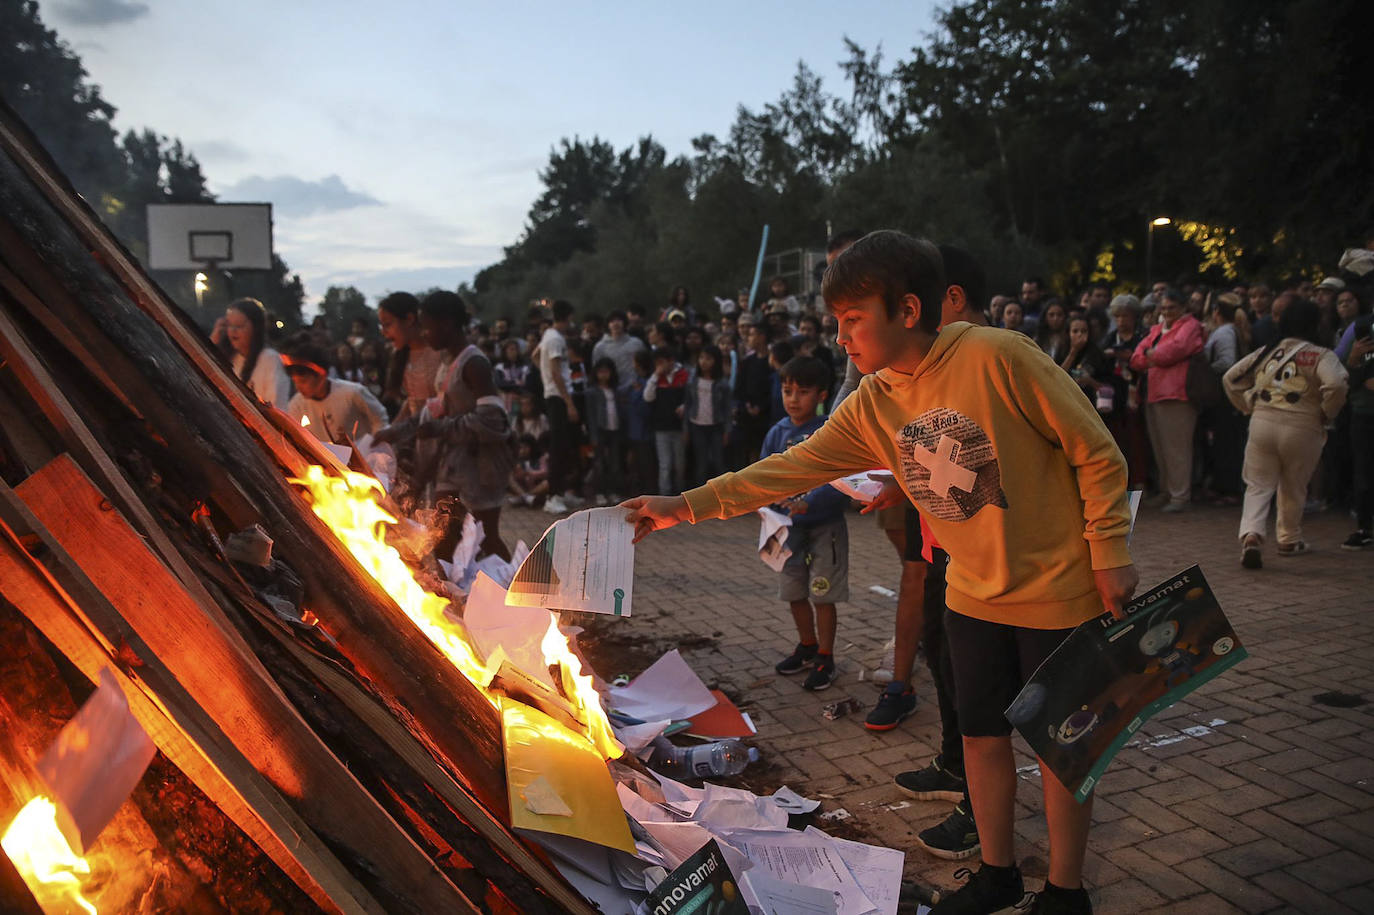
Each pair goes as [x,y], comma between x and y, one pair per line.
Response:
[1150,248]
[202,284]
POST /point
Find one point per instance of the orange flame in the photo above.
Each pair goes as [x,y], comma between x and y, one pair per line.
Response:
[348,506]
[305,420]
[51,870]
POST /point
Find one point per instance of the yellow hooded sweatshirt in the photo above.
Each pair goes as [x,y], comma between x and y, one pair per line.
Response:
[1007,460]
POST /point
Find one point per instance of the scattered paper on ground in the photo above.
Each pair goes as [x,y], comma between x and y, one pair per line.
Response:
[773,538]
[583,562]
[668,689]
[721,720]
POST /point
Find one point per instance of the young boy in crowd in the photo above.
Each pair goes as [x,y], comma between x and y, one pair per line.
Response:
[1017,477]
[665,392]
[818,569]
[334,407]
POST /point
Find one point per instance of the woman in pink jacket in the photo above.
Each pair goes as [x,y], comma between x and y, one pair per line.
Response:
[1164,355]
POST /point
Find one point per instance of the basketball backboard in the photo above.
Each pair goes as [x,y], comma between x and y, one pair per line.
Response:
[193,236]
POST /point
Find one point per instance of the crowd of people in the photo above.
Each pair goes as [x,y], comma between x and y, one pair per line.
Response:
[604,404]
[1231,396]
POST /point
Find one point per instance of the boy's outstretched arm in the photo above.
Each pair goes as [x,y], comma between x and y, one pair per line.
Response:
[655,513]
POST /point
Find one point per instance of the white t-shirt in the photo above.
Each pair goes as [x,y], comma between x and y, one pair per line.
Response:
[348,408]
[612,415]
[552,347]
[269,379]
[706,408]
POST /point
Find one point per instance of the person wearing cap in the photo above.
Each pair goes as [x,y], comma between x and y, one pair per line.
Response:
[1325,296]
[330,408]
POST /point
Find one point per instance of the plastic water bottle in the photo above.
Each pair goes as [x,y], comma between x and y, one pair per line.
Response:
[724,757]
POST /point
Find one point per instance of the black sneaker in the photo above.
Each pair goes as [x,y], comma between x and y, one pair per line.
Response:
[933,783]
[1360,540]
[1055,900]
[989,890]
[894,705]
[799,660]
[822,673]
[954,838]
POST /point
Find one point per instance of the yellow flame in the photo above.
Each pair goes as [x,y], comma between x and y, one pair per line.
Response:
[580,690]
[43,858]
[305,420]
[349,507]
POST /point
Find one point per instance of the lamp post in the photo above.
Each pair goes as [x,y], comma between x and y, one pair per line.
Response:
[1150,249]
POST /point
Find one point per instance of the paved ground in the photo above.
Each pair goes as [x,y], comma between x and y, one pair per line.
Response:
[1270,809]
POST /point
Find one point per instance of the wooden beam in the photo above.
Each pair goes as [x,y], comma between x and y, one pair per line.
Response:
[230,685]
[183,732]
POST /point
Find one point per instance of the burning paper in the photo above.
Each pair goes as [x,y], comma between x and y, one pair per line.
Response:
[51,870]
[583,562]
[567,767]
[94,763]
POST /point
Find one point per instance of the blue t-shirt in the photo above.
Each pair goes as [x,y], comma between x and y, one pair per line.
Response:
[825,502]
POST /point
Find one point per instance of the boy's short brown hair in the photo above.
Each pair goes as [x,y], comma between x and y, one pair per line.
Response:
[890,265]
[806,372]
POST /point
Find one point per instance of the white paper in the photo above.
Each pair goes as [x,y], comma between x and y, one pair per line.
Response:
[863,487]
[1133,499]
[773,538]
[583,562]
[778,897]
[724,809]
[877,870]
[94,763]
[645,811]
[542,798]
[668,689]
[342,452]
[638,737]
[811,859]
[792,802]
[518,631]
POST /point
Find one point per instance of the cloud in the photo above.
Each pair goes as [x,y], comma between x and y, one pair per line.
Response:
[100,12]
[297,196]
[219,151]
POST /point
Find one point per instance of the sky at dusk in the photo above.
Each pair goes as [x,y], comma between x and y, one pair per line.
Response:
[400,143]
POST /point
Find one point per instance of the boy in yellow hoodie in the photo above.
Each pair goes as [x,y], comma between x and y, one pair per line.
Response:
[1019,480]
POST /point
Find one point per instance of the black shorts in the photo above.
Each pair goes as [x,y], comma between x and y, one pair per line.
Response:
[991,662]
[912,522]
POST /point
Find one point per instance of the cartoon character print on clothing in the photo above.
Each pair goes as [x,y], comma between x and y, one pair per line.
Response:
[949,465]
[1290,383]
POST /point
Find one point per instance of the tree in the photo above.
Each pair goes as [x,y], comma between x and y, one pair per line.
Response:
[341,306]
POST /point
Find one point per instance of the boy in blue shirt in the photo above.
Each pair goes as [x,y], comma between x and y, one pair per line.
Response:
[817,572]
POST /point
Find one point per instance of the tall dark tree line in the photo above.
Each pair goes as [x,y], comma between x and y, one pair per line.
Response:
[1042,134]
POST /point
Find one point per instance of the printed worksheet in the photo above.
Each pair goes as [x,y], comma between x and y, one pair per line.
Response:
[585,561]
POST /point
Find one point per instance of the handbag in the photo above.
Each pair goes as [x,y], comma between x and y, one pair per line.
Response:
[1203,385]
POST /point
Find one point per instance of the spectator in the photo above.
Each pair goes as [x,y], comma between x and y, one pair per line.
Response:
[530,422]
[372,367]
[560,408]
[664,393]
[1291,389]
[530,479]
[414,363]
[1085,363]
[1126,418]
[780,352]
[638,429]
[1164,355]
[706,414]
[1013,318]
[1032,292]
[780,299]
[1228,341]
[817,571]
[680,301]
[242,336]
[346,364]
[618,346]
[512,372]
[635,317]
[605,412]
[1052,335]
[1261,319]
[359,332]
[1360,362]
[753,394]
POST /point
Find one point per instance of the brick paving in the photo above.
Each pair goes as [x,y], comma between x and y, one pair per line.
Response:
[1272,809]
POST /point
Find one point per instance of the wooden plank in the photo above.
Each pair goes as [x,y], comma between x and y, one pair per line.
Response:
[183,732]
[232,688]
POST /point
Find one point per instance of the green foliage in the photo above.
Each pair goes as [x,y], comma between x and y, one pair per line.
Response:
[342,305]
[1036,133]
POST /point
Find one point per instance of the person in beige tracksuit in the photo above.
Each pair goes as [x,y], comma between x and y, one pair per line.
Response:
[1291,389]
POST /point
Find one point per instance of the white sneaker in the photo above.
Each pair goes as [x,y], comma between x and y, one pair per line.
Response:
[616,498]
[554,506]
[529,498]
[601,500]
[514,500]
[573,502]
